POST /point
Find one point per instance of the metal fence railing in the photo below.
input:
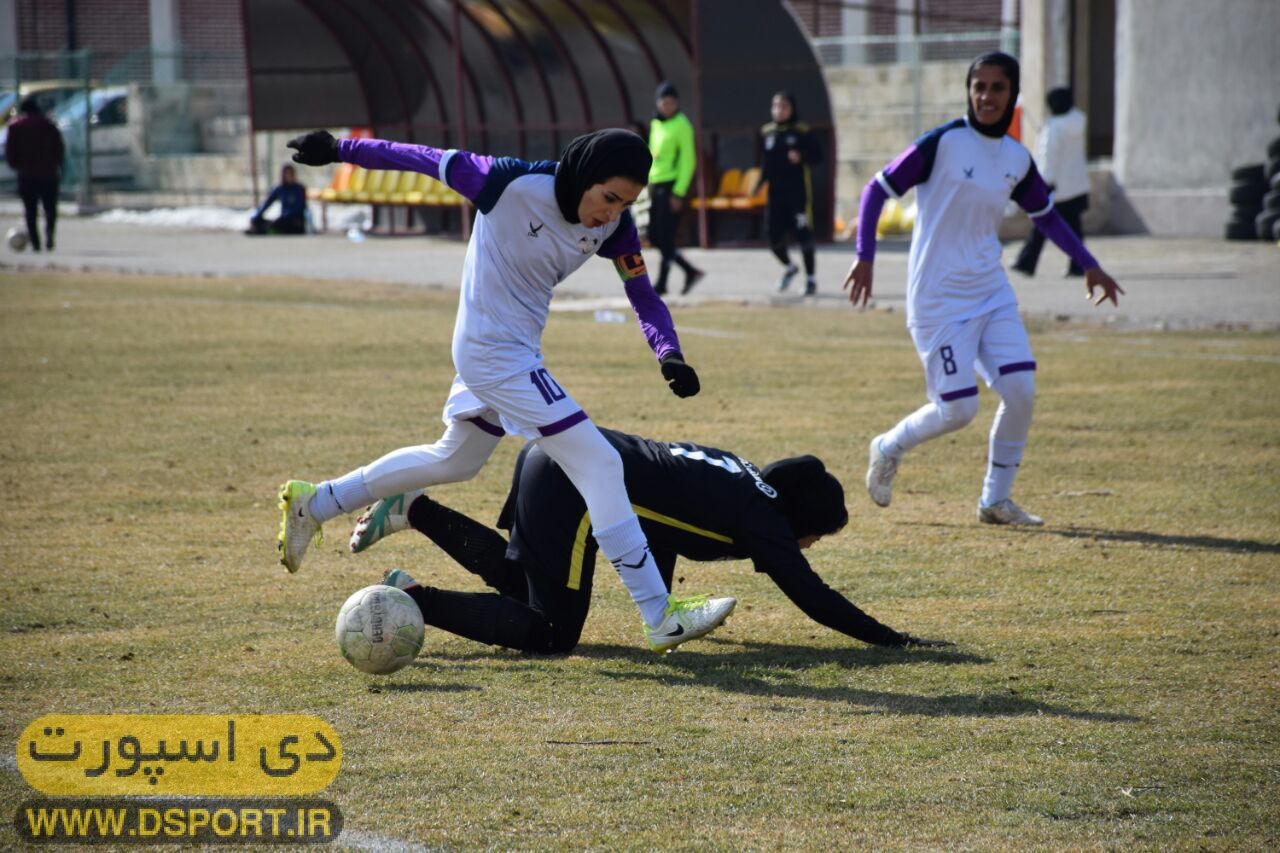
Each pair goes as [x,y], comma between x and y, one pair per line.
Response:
[122,115]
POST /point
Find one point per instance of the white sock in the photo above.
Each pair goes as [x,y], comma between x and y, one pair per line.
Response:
[338,497]
[1002,467]
[457,456]
[625,545]
[1009,434]
[595,469]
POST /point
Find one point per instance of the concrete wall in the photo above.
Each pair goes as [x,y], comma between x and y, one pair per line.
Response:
[872,107]
[1197,88]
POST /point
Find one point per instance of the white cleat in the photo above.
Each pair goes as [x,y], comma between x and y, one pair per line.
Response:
[298,527]
[1007,512]
[387,516]
[687,619]
[880,472]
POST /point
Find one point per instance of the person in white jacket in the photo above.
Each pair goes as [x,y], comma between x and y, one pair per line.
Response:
[1061,158]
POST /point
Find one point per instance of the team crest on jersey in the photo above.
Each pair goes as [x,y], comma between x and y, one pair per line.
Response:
[587,244]
[630,266]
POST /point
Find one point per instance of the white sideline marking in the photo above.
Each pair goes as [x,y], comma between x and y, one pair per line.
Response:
[377,843]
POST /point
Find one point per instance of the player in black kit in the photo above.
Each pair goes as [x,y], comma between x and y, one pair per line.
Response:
[693,501]
[789,149]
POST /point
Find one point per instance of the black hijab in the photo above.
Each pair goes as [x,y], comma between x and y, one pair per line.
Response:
[595,158]
[790,99]
[810,498]
[1059,100]
[1009,65]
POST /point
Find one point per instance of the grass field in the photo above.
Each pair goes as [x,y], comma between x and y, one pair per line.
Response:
[1114,682]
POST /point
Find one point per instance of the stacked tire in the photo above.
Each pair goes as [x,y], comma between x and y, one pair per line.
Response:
[1248,190]
[1267,221]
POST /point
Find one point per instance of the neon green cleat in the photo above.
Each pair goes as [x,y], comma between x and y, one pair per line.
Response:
[387,516]
[687,619]
[298,528]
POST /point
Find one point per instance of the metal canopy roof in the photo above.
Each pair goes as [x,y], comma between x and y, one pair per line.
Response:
[523,77]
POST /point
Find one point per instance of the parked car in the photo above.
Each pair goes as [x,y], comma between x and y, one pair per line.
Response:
[107,111]
[48,94]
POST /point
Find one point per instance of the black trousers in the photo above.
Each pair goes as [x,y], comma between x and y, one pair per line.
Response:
[542,577]
[663,223]
[43,192]
[788,212]
[1072,210]
[283,225]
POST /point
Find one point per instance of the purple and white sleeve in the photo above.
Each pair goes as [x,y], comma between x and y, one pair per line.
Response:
[623,248]
[461,171]
[1032,195]
[911,167]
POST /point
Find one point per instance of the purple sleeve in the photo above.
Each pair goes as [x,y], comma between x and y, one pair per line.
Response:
[873,198]
[623,248]
[1053,226]
[908,169]
[464,172]
[655,320]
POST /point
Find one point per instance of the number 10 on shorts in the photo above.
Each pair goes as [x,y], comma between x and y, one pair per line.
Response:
[547,387]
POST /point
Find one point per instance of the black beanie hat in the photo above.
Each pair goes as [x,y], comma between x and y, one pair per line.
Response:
[595,158]
[810,498]
[1010,67]
[665,90]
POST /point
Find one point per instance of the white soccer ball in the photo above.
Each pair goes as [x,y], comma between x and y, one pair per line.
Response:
[380,629]
[17,239]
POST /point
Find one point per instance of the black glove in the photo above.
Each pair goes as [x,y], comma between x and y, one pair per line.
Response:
[681,378]
[910,641]
[317,148]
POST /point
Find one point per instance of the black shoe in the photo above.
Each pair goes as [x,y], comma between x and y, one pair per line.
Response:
[48,242]
[1027,271]
[810,287]
[691,281]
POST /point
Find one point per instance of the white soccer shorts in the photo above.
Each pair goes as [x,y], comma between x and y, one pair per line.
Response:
[954,354]
[529,404]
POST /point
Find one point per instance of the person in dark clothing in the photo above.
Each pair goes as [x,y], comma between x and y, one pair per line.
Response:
[693,501]
[35,151]
[674,161]
[790,149]
[293,207]
[1060,155]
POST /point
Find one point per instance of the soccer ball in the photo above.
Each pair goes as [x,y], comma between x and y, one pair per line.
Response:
[17,239]
[380,629]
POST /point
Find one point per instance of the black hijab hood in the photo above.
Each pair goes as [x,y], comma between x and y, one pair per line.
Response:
[790,99]
[1010,67]
[595,158]
[810,498]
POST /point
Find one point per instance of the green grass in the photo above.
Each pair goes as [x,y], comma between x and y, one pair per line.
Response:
[1114,683]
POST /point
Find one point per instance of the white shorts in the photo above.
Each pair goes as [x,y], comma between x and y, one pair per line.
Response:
[530,404]
[954,354]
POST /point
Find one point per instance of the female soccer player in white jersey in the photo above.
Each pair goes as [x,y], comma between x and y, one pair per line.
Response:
[537,223]
[961,310]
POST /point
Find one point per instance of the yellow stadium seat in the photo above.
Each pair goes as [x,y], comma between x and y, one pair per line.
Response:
[359,177]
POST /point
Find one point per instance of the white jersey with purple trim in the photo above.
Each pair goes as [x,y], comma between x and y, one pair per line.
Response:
[963,181]
[521,249]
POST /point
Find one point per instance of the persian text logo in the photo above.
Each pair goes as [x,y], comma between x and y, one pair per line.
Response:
[215,755]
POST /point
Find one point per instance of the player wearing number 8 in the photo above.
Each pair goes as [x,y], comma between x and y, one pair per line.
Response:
[537,224]
[961,310]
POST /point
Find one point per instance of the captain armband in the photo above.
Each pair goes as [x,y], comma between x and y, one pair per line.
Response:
[630,266]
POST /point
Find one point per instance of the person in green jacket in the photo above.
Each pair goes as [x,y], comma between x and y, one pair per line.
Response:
[674,159]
